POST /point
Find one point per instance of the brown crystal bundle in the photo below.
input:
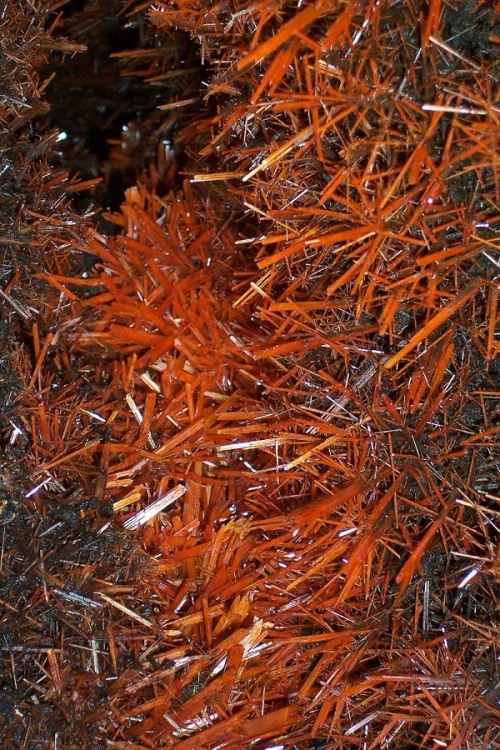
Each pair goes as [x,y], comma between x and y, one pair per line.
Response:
[50,554]
[281,373]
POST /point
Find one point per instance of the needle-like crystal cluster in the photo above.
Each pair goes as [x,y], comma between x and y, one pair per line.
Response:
[281,368]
